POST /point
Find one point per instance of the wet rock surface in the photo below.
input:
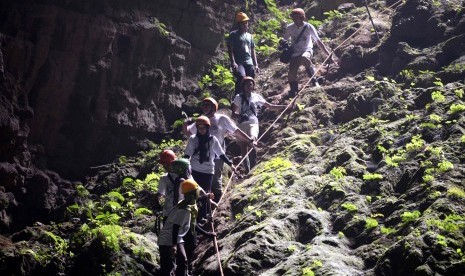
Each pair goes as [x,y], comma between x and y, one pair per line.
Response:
[365,177]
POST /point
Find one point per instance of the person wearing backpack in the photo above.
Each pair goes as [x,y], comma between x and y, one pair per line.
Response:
[201,149]
[241,50]
[173,257]
[246,106]
[301,35]
[220,126]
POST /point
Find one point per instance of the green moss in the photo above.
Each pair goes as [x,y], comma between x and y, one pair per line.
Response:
[408,217]
[350,207]
[371,223]
[338,172]
[372,176]
[456,192]
[387,230]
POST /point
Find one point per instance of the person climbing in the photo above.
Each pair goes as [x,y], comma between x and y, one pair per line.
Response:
[220,126]
[201,150]
[301,35]
[241,51]
[167,186]
[173,258]
[246,105]
[181,167]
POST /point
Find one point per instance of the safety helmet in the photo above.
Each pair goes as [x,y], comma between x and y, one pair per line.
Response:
[180,166]
[189,185]
[247,78]
[241,17]
[202,120]
[213,101]
[166,157]
[298,11]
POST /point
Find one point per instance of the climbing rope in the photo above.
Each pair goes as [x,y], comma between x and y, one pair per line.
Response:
[289,106]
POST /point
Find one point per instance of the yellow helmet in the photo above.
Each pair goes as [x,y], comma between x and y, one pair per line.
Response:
[189,185]
[241,17]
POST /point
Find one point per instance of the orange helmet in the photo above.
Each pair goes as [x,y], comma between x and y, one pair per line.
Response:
[298,11]
[241,17]
[247,78]
[213,101]
[189,185]
[167,157]
[202,120]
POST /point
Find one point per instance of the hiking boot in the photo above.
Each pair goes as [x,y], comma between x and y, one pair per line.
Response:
[294,89]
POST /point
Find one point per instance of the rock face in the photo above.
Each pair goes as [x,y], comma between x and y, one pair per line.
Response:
[82,82]
[365,176]
[100,75]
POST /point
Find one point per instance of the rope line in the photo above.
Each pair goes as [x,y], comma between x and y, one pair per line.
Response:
[289,105]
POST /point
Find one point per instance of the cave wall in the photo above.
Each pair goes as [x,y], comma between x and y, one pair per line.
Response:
[100,76]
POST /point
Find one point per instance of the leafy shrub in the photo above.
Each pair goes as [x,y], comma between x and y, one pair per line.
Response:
[142,211]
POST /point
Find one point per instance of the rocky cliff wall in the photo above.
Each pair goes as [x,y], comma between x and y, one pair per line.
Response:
[101,74]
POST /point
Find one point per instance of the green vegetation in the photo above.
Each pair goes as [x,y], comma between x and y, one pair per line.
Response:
[371,223]
[291,248]
[350,207]
[333,15]
[338,172]
[456,108]
[451,223]
[416,144]
[408,217]
[372,176]
[161,27]
[271,176]
[266,36]
[459,93]
[221,81]
[456,192]
[387,230]
[273,8]
[142,211]
[437,96]
[308,271]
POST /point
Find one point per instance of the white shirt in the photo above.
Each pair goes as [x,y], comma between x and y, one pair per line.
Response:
[181,217]
[305,43]
[220,125]
[166,188]
[249,108]
[213,147]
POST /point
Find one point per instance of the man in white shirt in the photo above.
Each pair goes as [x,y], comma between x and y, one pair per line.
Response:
[302,48]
